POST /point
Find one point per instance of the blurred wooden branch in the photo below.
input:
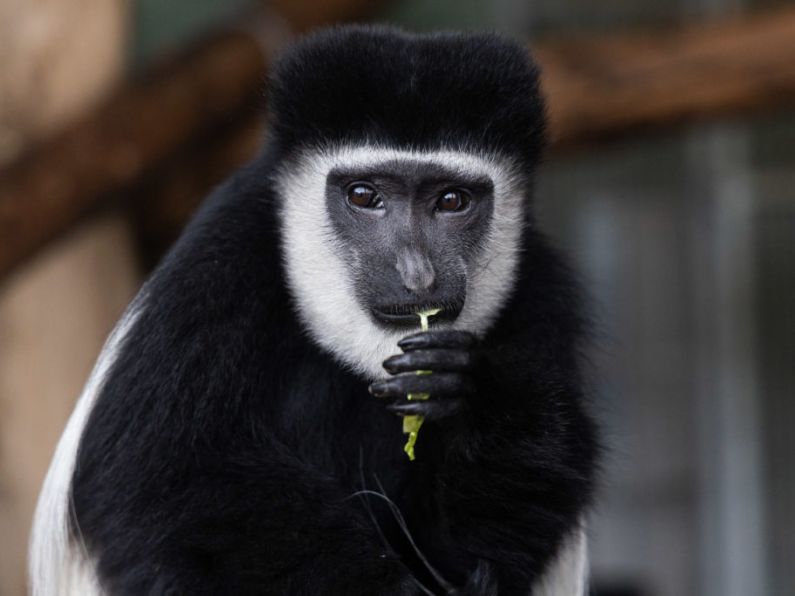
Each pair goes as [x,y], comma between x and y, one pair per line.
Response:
[46,191]
[303,15]
[601,88]
[598,88]
[166,199]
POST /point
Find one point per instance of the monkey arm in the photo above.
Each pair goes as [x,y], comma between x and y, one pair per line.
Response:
[515,449]
[246,523]
[513,486]
[518,472]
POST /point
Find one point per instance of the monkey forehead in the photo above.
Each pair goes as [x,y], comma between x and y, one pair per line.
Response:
[315,165]
[411,172]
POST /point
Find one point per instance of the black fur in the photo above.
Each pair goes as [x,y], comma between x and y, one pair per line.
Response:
[225,451]
[459,91]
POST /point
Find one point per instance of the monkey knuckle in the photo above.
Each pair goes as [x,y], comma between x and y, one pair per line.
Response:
[463,358]
[440,359]
[398,364]
[464,338]
[462,385]
[421,356]
[448,383]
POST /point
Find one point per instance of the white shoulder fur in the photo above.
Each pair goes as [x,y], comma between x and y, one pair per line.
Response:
[58,565]
[568,573]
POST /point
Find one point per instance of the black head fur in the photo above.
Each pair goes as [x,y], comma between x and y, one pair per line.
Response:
[383,86]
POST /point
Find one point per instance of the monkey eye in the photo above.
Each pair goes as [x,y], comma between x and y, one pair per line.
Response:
[364,195]
[453,200]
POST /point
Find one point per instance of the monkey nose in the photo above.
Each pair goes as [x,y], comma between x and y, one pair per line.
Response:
[416,270]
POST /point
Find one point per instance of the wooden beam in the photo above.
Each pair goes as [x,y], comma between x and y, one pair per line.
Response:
[166,199]
[56,183]
[598,88]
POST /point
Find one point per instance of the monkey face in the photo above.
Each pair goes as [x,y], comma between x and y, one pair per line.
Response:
[373,234]
[411,233]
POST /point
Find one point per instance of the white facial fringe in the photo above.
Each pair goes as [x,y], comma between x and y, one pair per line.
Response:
[320,281]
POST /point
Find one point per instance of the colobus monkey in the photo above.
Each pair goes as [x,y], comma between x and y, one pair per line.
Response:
[241,432]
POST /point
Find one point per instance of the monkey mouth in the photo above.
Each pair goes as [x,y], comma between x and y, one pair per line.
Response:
[405,315]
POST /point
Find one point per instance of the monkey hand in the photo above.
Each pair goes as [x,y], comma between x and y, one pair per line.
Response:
[449,355]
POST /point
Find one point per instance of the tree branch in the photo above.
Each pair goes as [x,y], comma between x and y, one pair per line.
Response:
[53,185]
[606,87]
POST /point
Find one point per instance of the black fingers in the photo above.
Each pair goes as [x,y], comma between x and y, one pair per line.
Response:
[449,338]
[430,409]
[435,360]
[449,355]
[437,385]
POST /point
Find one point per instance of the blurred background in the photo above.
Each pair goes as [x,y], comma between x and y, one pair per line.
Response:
[670,182]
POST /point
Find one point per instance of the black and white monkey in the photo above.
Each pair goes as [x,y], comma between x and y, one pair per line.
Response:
[239,433]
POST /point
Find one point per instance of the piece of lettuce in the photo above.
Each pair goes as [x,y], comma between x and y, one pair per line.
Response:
[412,424]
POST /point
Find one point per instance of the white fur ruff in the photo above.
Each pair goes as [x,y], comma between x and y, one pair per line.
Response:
[568,573]
[319,279]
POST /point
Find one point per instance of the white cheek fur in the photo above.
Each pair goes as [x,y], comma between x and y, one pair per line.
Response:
[319,279]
